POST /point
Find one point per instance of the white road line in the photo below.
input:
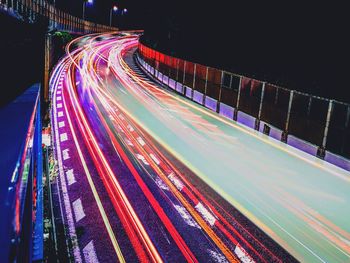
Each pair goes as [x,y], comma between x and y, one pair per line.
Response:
[179,185]
[63,137]
[58,98]
[68,208]
[205,214]
[154,158]
[59,105]
[78,210]
[70,177]
[65,154]
[90,253]
[61,124]
[243,255]
[60,114]
[141,142]
[96,196]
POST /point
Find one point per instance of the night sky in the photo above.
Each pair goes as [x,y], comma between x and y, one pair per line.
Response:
[301,46]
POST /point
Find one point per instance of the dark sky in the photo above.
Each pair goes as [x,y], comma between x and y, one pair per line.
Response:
[300,44]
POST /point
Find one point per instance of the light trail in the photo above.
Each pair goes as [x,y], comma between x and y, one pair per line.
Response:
[133,131]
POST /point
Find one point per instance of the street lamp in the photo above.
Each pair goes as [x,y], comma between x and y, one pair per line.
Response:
[84,3]
[113,9]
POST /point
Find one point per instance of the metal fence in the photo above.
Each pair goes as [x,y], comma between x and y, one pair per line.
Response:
[41,11]
[322,122]
[21,221]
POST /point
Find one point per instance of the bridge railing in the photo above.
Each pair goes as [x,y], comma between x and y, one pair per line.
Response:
[288,115]
[21,221]
[37,10]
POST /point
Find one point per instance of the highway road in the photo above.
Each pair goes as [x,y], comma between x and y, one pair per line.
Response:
[147,175]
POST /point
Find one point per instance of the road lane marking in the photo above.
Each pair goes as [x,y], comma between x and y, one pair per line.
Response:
[63,137]
[154,158]
[141,142]
[65,195]
[65,154]
[95,194]
[61,124]
[205,214]
[60,114]
[90,253]
[78,210]
[243,255]
[70,177]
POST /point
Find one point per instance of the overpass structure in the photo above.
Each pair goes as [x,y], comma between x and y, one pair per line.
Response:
[22,201]
[41,11]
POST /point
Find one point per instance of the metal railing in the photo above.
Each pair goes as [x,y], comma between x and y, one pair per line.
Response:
[22,212]
[320,121]
[40,11]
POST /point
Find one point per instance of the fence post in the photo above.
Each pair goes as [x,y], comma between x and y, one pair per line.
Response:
[321,151]
[257,121]
[171,63]
[177,71]
[309,106]
[220,91]
[183,80]
[284,136]
[47,65]
[235,112]
[194,80]
[205,85]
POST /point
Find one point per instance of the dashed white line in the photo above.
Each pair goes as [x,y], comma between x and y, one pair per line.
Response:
[206,214]
[243,255]
[78,210]
[90,253]
[65,154]
[61,124]
[154,158]
[63,137]
[179,185]
[60,114]
[70,177]
[68,208]
[142,142]
[59,105]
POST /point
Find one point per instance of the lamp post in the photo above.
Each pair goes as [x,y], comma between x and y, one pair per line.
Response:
[113,9]
[84,3]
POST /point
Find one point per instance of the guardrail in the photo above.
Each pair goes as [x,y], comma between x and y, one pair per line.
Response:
[41,11]
[287,115]
[21,221]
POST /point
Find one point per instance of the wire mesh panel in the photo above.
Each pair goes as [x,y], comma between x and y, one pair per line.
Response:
[213,83]
[200,79]
[229,89]
[308,118]
[189,74]
[338,140]
[161,65]
[167,61]
[180,74]
[173,68]
[250,95]
[275,106]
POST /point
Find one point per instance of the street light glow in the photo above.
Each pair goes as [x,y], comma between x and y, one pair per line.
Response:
[115,8]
